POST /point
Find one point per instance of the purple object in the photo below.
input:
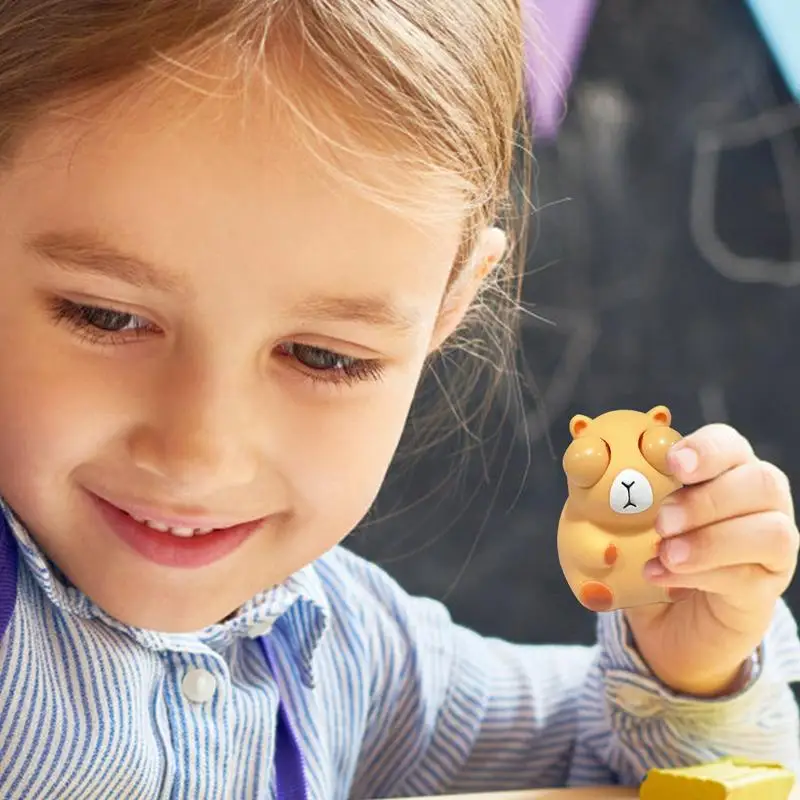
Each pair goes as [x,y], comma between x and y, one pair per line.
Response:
[555,31]
[289,774]
[8,574]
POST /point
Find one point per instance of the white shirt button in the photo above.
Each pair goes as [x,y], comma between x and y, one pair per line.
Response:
[638,701]
[199,685]
[260,629]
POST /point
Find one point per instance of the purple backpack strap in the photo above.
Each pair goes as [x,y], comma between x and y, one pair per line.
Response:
[290,775]
[289,768]
[8,573]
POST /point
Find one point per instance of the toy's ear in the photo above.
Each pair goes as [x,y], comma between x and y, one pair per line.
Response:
[661,415]
[578,425]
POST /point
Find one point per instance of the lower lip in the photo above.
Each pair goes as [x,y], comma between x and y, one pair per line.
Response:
[169,550]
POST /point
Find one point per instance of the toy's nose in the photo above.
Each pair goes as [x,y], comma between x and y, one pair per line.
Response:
[631,493]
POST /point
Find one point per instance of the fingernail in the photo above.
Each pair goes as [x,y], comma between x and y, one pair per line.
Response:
[677,551]
[671,519]
[685,459]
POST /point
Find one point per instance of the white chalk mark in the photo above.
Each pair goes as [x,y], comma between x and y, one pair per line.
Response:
[776,126]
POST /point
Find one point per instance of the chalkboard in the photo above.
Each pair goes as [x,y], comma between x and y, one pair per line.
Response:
[665,263]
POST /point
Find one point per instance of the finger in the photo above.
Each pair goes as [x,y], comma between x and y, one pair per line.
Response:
[768,539]
[678,594]
[728,581]
[746,489]
[707,453]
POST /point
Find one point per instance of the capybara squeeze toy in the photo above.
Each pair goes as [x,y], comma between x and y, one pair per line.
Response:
[617,477]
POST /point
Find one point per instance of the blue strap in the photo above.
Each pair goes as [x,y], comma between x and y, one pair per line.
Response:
[8,573]
[289,773]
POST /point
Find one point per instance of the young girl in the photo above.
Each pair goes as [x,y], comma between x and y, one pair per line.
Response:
[232,235]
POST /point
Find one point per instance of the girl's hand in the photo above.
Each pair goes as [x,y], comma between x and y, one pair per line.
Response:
[729,551]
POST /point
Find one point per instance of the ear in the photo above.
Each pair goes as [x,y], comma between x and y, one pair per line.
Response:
[661,415]
[461,294]
[578,425]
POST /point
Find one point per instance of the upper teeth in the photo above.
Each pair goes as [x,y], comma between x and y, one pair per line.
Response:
[176,530]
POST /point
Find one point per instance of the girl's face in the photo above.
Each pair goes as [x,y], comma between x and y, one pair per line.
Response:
[200,329]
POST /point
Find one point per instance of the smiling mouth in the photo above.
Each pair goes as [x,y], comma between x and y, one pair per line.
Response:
[175,542]
[177,524]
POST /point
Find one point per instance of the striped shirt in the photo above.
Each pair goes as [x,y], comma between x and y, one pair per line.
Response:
[389,698]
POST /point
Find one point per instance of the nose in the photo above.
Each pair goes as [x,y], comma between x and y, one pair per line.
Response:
[198,438]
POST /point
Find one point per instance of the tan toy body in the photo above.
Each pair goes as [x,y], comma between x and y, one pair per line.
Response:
[617,477]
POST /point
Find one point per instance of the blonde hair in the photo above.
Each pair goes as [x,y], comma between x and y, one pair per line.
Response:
[437,83]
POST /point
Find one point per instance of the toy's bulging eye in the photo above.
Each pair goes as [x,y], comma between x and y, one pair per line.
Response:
[586,460]
[655,443]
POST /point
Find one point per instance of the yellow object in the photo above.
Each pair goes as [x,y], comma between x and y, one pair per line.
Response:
[727,779]
[617,478]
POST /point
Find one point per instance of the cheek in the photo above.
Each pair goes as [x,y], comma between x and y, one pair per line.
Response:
[53,413]
[340,457]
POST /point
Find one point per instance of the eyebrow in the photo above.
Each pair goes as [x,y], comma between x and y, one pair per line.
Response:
[369,310]
[84,252]
[78,251]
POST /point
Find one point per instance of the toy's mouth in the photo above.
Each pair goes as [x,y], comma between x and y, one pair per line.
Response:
[631,493]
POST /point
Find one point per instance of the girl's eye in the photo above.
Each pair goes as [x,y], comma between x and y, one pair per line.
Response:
[100,324]
[327,366]
[108,326]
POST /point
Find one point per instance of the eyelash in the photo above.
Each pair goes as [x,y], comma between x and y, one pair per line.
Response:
[88,322]
[344,370]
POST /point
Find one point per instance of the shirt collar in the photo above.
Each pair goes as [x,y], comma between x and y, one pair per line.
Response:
[298,609]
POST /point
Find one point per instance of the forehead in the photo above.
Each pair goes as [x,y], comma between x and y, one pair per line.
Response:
[217,184]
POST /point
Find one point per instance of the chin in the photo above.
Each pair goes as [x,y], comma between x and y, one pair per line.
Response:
[165,622]
[151,611]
